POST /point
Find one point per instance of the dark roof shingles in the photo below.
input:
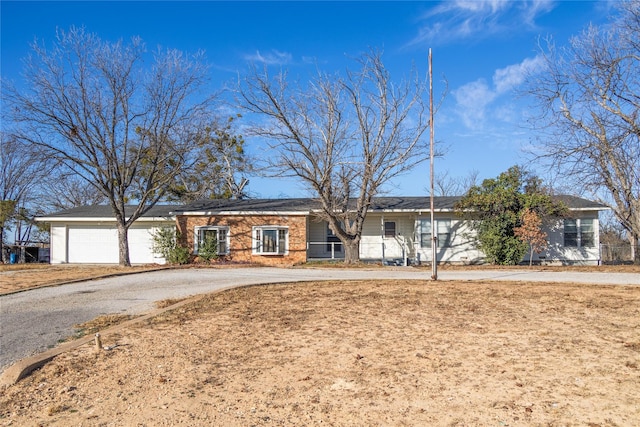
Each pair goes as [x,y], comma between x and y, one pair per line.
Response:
[105,211]
[292,205]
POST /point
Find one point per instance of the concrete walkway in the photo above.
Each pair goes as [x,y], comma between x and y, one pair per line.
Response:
[36,320]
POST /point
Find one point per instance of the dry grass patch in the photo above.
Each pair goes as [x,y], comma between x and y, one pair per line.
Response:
[358,353]
[14,277]
[168,302]
[98,324]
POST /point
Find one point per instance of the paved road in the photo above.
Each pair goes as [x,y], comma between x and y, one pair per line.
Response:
[32,321]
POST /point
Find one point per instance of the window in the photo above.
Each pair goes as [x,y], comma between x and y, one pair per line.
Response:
[571,233]
[389,229]
[216,237]
[443,227]
[270,240]
[579,233]
[425,233]
[587,234]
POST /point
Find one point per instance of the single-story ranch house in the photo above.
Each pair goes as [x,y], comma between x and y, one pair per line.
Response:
[287,231]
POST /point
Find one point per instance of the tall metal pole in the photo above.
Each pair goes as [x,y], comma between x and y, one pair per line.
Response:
[434,234]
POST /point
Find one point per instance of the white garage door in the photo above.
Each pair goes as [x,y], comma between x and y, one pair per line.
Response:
[140,245]
[99,244]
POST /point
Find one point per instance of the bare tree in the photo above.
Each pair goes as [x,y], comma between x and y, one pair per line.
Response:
[589,97]
[220,171]
[21,169]
[125,129]
[447,185]
[343,137]
[65,190]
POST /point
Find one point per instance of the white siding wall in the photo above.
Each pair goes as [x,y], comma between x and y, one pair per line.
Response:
[556,252]
[461,248]
[371,246]
[58,239]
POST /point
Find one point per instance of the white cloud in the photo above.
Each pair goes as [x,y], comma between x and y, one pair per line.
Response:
[480,5]
[508,78]
[465,19]
[475,100]
[274,57]
[537,8]
[471,102]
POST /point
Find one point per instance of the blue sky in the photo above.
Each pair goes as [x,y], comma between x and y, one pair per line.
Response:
[482,49]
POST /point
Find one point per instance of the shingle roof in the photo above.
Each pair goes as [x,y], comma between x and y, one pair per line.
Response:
[386,204]
[577,203]
[297,205]
[105,211]
[249,205]
[304,205]
[413,203]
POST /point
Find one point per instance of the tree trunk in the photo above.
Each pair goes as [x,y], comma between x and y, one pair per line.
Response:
[352,251]
[530,255]
[635,249]
[123,245]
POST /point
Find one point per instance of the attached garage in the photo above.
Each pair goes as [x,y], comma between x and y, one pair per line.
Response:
[92,244]
[88,235]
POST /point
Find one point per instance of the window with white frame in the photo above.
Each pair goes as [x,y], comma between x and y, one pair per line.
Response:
[213,237]
[443,229]
[579,233]
[389,229]
[270,240]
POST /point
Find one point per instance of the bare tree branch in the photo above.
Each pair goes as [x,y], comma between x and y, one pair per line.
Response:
[126,130]
[589,103]
[20,171]
[343,137]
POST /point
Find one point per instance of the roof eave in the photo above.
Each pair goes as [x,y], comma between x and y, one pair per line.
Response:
[101,219]
[239,213]
[594,208]
[418,211]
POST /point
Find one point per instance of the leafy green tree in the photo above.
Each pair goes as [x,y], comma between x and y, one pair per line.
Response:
[496,208]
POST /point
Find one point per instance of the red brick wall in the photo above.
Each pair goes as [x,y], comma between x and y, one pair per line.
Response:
[240,230]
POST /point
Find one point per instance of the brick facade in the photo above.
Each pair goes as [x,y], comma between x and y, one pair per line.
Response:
[240,231]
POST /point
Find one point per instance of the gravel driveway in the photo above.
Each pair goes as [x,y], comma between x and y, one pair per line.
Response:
[33,321]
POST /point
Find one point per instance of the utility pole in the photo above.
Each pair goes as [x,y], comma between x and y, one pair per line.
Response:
[434,234]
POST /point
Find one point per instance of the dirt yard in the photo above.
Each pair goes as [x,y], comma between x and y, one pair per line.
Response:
[357,354]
